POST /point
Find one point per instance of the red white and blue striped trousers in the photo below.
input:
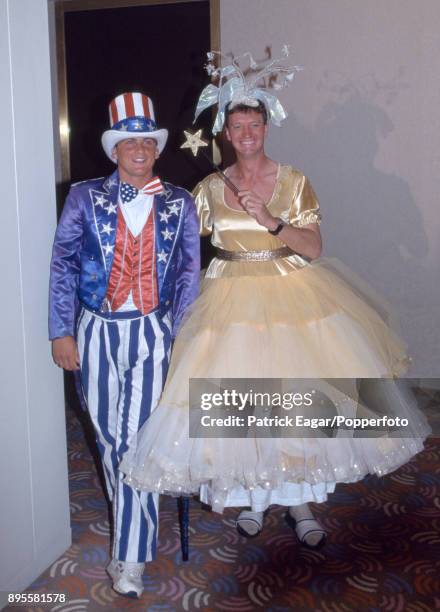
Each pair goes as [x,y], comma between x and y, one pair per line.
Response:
[124,361]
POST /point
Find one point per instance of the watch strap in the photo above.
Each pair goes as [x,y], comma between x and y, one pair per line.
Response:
[278,228]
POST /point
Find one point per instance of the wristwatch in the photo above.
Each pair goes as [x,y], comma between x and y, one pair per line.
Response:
[278,228]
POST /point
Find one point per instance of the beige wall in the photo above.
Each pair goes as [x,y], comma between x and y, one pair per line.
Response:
[34,509]
[364,125]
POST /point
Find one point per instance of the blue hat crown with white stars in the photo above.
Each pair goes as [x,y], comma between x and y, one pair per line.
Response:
[135,124]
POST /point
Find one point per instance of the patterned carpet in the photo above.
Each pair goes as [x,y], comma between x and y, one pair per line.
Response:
[383,551]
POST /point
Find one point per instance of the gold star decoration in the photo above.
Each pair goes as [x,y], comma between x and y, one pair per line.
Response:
[193,141]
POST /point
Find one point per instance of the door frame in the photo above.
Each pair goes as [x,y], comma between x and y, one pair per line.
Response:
[66,6]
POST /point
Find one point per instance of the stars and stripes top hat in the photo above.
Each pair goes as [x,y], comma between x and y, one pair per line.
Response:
[132,115]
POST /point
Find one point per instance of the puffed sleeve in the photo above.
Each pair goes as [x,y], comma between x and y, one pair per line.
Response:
[305,206]
[202,195]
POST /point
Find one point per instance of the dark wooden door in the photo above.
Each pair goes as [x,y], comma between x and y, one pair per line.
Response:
[159,50]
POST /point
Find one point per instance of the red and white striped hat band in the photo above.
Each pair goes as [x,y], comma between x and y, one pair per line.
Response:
[130,105]
[132,115]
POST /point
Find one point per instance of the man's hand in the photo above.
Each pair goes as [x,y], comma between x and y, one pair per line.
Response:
[65,353]
[257,208]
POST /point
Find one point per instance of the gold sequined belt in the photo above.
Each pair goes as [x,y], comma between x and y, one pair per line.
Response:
[254,255]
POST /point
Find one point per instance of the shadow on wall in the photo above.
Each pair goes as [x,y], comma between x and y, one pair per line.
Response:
[371,220]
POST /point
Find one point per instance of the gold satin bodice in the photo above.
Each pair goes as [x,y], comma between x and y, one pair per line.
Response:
[293,200]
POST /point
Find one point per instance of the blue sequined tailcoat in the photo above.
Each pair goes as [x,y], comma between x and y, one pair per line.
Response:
[84,247]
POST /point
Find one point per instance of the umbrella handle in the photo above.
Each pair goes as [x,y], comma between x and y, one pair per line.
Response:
[183,510]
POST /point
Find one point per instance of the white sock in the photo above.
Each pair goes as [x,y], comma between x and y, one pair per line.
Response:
[251,522]
[306,522]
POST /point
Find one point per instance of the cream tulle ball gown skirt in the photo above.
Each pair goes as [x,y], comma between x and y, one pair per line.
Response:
[250,323]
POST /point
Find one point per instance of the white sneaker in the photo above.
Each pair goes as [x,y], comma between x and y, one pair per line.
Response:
[127,577]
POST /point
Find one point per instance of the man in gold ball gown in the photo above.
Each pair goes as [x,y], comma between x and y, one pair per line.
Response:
[270,308]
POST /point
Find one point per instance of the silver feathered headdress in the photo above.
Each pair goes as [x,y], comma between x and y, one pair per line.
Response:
[236,87]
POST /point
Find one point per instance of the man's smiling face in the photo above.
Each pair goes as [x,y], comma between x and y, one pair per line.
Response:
[135,158]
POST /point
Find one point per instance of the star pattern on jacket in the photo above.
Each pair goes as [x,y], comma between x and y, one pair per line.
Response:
[107,228]
[108,249]
[174,209]
[111,209]
[100,200]
[164,216]
[162,256]
[167,235]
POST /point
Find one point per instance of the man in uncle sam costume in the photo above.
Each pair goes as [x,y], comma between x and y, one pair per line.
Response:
[125,267]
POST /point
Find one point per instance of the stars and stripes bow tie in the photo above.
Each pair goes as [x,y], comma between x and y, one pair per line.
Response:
[128,192]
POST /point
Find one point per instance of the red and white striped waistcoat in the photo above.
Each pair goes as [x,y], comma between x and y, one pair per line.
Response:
[134,267]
